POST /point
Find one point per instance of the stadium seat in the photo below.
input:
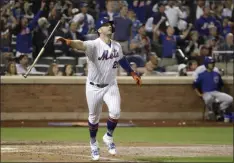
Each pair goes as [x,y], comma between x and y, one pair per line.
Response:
[230,68]
[173,68]
[36,73]
[58,52]
[61,66]
[66,60]
[2,68]
[221,65]
[79,69]
[167,62]
[82,60]
[45,60]
[42,67]
[91,37]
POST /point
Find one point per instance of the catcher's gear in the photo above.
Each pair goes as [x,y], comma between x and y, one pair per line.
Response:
[137,78]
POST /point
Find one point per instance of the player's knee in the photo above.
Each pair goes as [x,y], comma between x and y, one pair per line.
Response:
[114,115]
[230,100]
[209,101]
[93,119]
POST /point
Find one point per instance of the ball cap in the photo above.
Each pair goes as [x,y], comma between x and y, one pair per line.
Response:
[101,22]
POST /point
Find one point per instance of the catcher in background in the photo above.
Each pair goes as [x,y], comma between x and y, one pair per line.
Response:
[209,82]
[103,57]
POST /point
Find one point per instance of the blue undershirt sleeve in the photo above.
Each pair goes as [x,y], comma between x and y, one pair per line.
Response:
[125,64]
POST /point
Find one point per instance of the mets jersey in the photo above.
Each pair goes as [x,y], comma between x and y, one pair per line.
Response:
[102,60]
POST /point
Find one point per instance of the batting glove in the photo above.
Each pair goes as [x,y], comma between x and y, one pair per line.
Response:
[63,40]
[137,78]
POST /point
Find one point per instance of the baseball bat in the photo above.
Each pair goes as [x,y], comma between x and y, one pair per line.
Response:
[41,51]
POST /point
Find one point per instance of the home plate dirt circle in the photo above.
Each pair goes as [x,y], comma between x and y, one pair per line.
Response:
[80,152]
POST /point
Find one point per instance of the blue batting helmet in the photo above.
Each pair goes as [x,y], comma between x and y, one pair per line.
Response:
[103,21]
[208,60]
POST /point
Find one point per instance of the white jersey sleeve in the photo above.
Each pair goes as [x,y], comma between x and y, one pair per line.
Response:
[90,48]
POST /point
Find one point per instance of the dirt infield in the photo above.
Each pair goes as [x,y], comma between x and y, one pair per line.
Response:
[80,152]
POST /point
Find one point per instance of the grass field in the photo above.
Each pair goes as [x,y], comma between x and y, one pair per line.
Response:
[152,144]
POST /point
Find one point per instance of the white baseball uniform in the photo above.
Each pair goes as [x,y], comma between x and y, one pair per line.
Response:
[102,69]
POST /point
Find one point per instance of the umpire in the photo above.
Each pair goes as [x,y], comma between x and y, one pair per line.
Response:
[210,83]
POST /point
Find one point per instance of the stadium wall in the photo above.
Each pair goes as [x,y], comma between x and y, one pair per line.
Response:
[63,98]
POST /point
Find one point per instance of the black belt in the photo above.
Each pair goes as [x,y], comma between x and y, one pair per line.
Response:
[99,85]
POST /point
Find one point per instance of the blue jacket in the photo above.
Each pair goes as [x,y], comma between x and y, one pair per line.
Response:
[208,81]
[202,25]
[24,38]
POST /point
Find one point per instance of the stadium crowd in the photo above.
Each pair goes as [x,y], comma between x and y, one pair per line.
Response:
[159,37]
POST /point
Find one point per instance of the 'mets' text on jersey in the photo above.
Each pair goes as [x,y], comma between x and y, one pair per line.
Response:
[102,60]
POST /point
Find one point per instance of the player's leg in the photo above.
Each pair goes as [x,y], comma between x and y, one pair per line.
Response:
[95,101]
[225,100]
[209,100]
[112,99]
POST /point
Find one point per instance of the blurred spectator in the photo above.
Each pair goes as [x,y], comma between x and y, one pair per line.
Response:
[23,65]
[192,46]
[28,11]
[8,22]
[69,11]
[158,15]
[53,18]
[40,37]
[149,69]
[228,9]
[226,27]
[123,29]
[169,39]
[141,44]
[109,12]
[54,70]
[85,20]
[196,8]
[135,22]
[73,34]
[227,46]
[140,7]
[11,69]
[173,14]
[214,34]
[192,65]
[23,31]
[68,70]
[182,70]
[202,24]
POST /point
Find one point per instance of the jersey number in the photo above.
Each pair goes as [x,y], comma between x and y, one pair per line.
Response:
[115,65]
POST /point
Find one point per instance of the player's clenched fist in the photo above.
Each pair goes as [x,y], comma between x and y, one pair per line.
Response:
[137,78]
[63,40]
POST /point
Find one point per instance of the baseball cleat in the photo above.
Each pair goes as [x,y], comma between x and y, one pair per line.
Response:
[110,144]
[95,151]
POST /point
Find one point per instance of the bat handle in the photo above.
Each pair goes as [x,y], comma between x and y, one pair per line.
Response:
[25,75]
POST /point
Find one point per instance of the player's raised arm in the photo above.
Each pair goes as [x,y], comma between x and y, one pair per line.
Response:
[76,44]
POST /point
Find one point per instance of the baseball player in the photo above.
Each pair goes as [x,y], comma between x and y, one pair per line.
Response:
[103,57]
[209,82]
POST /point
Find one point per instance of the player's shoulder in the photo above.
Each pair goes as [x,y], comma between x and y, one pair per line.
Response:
[115,43]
